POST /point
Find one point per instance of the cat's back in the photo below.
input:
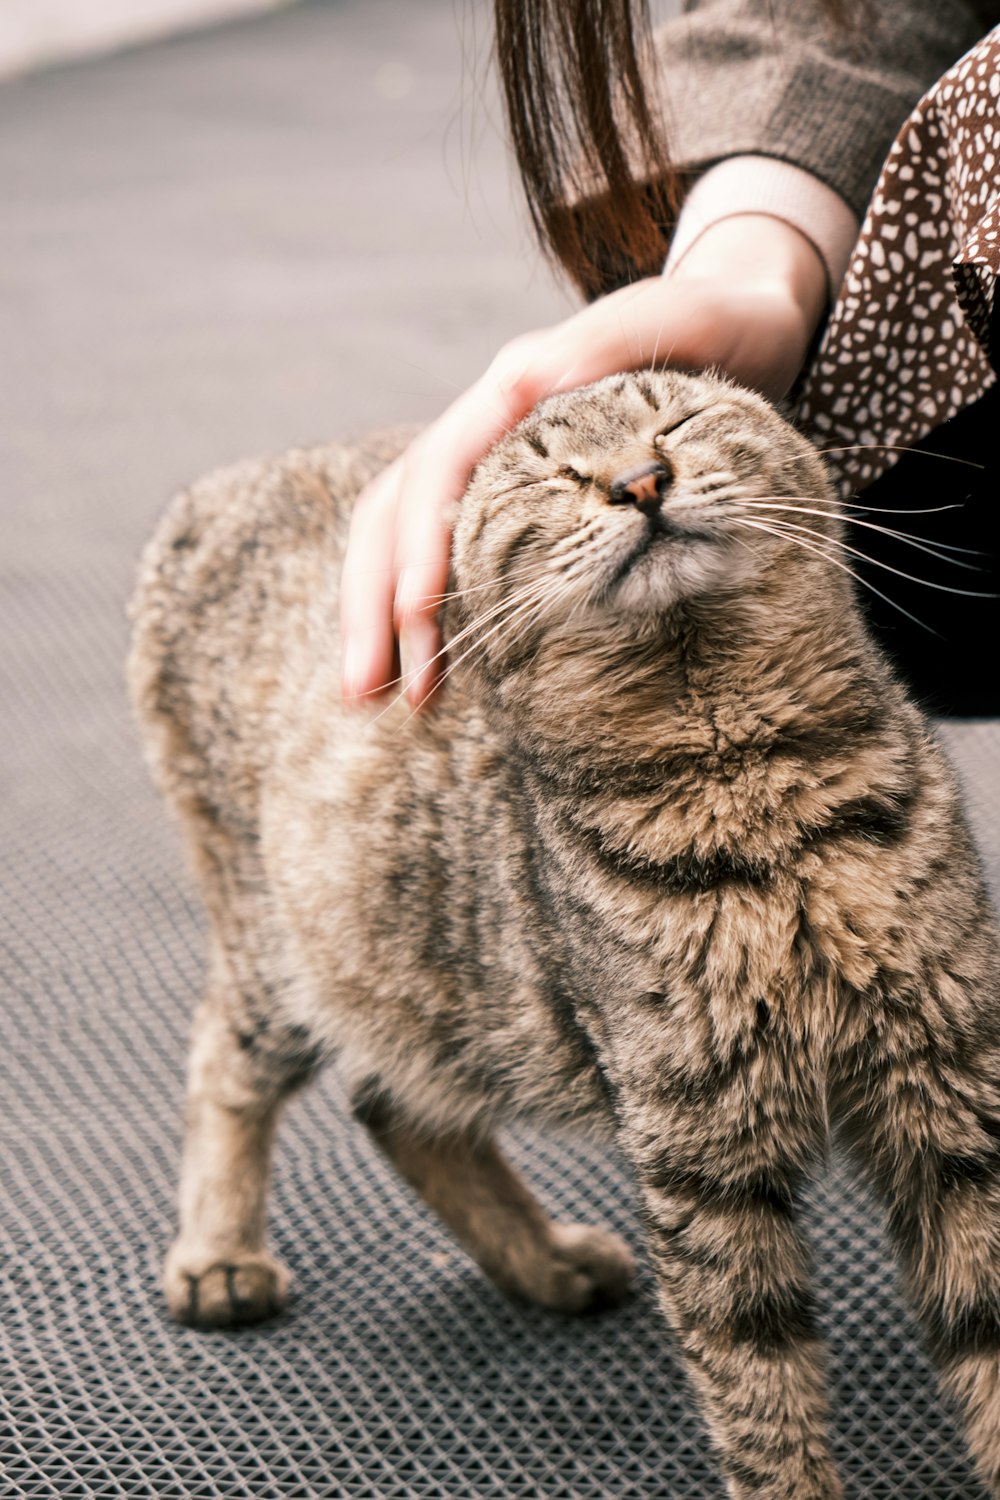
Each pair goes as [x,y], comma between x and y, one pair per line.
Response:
[238,579]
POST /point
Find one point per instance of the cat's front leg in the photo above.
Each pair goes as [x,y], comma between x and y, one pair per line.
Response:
[720,1152]
[917,1097]
[219,1272]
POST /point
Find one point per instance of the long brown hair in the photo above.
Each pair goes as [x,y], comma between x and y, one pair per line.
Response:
[601,190]
[573,88]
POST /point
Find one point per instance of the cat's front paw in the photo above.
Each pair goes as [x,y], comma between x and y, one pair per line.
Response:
[586,1269]
[224,1291]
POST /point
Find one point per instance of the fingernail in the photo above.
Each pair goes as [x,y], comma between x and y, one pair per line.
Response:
[424,642]
[422,689]
[351,671]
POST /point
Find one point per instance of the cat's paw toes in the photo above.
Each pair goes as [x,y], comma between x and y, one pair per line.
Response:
[589,1268]
[224,1292]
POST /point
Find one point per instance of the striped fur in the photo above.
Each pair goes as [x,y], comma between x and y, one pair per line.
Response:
[673,860]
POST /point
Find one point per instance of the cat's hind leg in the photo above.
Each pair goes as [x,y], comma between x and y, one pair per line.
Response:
[219,1272]
[491,1212]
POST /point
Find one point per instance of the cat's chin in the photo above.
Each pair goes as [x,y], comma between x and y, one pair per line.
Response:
[671,572]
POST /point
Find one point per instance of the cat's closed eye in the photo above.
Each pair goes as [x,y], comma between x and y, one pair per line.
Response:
[660,438]
[567,471]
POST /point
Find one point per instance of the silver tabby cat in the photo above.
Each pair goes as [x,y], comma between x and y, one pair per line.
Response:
[674,859]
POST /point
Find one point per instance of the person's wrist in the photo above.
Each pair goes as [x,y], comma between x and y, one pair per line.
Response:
[757,290]
[750,250]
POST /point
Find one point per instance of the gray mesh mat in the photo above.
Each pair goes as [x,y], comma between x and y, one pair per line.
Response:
[146,312]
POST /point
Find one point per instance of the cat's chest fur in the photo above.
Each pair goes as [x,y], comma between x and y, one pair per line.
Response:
[558,930]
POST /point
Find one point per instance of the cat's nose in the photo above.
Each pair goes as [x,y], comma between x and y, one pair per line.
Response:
[644,486]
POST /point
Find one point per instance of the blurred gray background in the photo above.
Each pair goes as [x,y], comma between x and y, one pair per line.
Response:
[35,33]
[265,234]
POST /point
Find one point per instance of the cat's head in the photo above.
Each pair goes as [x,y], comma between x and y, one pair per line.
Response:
[625,499]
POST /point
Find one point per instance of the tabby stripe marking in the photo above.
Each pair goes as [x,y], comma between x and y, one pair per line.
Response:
[687,873]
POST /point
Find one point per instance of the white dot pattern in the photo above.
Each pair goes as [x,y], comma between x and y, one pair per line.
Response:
[907,343]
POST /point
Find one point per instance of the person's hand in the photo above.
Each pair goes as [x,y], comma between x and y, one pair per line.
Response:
[746,299]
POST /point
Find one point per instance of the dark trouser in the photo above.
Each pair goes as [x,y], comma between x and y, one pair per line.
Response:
[957,670]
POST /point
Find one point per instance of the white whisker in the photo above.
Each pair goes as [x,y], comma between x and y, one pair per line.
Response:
[883,510]
[946,588]
[490,583]
[650,368]
[902,448]
[836,563]
[902,536]
[525,606]
[408,678]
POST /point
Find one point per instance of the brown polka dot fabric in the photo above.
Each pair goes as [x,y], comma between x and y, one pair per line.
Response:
[907,345]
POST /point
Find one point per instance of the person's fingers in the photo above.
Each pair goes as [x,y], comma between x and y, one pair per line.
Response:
[435,475]
[423,654]
[423,548]
[396,565]
[368,588]
[436,472]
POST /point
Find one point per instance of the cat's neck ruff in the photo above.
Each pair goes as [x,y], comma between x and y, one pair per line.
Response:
[593,697]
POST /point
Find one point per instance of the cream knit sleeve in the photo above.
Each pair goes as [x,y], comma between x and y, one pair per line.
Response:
[765,185]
